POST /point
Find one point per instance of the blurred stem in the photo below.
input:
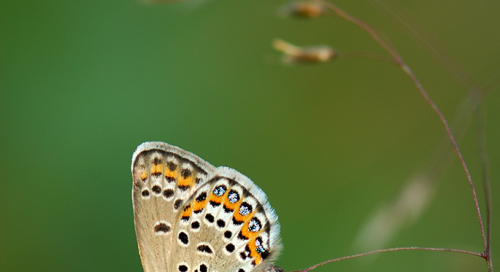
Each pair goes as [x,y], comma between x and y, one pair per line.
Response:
[388,250]
[399,61]
[476,93]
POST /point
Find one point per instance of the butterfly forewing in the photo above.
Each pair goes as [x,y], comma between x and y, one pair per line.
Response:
[193,217]
[163,177]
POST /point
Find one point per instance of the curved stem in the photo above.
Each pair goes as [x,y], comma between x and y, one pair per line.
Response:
[407,70]
[389,250]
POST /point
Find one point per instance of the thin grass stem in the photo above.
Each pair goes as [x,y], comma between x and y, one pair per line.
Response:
[389,250]
[399,61]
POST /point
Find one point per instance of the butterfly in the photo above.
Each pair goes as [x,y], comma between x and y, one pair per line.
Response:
[193,217]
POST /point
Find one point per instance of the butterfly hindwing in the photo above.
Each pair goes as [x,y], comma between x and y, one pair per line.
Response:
[227,225]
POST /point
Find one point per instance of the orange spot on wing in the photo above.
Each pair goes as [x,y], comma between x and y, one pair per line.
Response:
[199,205]
[218,199]
[159,168]
[242,218]
[256,257]
[244,230]
[233,206]
[251,244]
[185,181]
[144,175]
[156,168]
[253,249]
[187,212]
[170,174]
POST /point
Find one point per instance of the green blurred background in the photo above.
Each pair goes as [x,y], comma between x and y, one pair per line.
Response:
[82,83]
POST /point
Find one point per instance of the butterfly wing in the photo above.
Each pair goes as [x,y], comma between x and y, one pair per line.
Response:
[164,176]
[193,217]
[228,226]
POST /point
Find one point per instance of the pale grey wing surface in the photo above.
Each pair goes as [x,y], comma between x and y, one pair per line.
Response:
[164,176]
[227,225]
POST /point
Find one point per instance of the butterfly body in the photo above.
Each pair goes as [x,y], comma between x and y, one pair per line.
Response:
[193,217]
